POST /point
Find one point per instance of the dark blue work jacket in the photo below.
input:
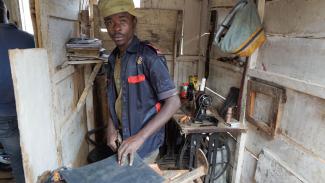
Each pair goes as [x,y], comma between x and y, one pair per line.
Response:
[10,38]
[145,83]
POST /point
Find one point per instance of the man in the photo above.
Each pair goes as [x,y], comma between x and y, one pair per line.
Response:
[10,38]
[142,97]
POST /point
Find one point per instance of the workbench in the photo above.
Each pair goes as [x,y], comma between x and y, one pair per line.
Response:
[196,133]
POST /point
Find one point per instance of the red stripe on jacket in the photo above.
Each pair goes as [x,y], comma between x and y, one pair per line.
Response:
[136,79]
[158,107]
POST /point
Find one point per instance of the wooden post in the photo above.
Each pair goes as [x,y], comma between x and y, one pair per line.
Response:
[241,142]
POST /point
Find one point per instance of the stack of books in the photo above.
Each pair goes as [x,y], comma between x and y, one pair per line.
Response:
[84,49]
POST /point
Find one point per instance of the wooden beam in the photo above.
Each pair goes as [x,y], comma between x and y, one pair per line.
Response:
[82,99]
[63,74]
[69,119]
[178,32]
[240,148]
[89,104]
[289,82]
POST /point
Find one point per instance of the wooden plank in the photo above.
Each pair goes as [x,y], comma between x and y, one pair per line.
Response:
[192,21]
[289,82]
[63,74]
[295,155]
[169,4]
[64,9]
[191,30]
[271,166]
[33,92]
[84,62]
[298,58]
[82,100]
[206,127]
[303,120]
[223,78]
[158,27]
[299,18]
[59,32]
[177,42]
[222,3]
[57,21]
[89,105]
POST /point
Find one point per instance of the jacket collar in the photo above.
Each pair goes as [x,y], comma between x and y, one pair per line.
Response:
[9,25]
[132,48]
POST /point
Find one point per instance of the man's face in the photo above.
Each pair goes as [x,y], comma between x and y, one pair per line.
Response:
[120,28]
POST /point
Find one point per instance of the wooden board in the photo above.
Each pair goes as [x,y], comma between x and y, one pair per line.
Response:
[301,160]
[33,92]
[65,9]
[298,58]
[166,4]
[206,127]
[57,22]
[299,18]
[303,122]
[271,169]
[222,3]
[223,77]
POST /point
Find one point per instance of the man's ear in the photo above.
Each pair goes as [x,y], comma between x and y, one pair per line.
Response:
[8,15]
[135,21]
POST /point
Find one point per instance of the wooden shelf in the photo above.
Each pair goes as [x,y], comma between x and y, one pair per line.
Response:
[84,62]
[207,127]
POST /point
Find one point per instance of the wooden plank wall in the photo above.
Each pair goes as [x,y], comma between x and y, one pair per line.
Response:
[293,58]
[57,21]
[195,24]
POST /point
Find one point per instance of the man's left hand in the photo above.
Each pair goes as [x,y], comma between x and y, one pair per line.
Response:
[128,148]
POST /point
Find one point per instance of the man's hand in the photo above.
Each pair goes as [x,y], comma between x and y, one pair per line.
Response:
[128,148]
[112,137]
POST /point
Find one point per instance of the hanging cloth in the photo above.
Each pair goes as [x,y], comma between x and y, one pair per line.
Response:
[242,30]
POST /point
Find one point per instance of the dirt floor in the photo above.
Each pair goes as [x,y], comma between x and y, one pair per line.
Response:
[6,177]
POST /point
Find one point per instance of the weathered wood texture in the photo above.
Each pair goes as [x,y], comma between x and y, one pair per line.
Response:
[223,77]
[298,58]
[270,169]
[33,92]
[298,18]
[57,21]
[297,158]
[222,3]
[14,9]
[292,57]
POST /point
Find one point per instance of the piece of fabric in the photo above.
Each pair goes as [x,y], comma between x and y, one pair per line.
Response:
[10,38]
[151,84]
[9,138]
[109,171]
[245,34]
